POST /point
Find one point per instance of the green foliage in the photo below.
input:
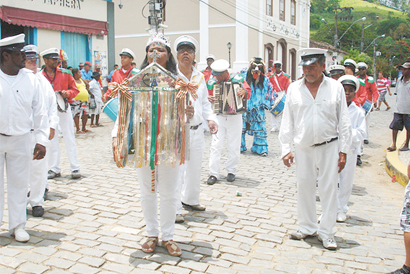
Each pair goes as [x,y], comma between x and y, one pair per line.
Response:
[359,57]
[388,26]
[315,21]
[318,6]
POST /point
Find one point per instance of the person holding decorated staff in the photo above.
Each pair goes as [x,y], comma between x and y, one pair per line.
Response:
[189,76]
[357,119]
[64,85]
[155,178]
[21,110]
[254,119]
[228,125]
[317,121]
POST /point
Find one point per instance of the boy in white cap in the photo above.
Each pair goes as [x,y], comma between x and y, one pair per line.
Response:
[316,120]
[280,82]
[350,67]
[62,82]
[228,125]
[336,71]
[21,109]
[186,46]
[207,71]
[38,171]
[358,122]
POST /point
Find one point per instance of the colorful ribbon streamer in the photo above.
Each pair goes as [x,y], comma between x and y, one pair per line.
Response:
[183,88]
[114,89]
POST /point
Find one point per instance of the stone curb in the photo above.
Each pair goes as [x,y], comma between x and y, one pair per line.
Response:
[394,166]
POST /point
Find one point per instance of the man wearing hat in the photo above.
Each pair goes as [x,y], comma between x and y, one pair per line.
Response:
[81,66]
[21,110]
[280,82]
[63,83]
[208,71]
[126,70]
[38,170]
[402,114]
[368,87]
[96,94]
[350,67]
[228,125]
[336,71]
[357,119]
[316,120]
[86,72]
[186,46]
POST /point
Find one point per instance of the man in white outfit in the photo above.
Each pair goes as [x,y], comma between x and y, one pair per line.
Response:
[357,119]
[38,171]
[63,83]
[316,120]
[21,109]
[185,46]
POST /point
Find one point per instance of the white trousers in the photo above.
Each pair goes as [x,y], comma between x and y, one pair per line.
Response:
[275,122]
[346,178]
[67,128]
[231,127]
[190,179]
[38,177]
[167,187]
[317,164]
[15,155]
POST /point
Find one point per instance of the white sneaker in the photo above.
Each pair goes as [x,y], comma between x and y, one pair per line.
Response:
[299,235]
[328,243]
[341,217]
[21,235]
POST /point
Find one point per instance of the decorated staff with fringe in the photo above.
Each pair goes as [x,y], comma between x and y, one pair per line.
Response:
[151,133]
[254,119]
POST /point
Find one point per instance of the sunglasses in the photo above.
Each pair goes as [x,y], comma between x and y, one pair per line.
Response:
[189,50]
[362,68]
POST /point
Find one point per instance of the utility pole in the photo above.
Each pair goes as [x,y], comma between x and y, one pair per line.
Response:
[362,39]
[156,17]
[336,37]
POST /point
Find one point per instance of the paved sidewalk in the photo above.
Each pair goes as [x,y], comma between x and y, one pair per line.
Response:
[95,224]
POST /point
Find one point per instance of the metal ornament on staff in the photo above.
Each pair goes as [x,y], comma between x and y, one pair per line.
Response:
[152,125]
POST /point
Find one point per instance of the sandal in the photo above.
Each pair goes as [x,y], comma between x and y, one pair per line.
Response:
[99,125]
[172,248]
[391,149]
[150,244]
[79,132]
[85,131]
[404,149]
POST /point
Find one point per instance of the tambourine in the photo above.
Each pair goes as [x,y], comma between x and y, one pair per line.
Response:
[62,103]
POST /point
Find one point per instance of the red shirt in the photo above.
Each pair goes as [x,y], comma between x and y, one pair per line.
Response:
[366,92]
[119,75]
[280,82]
[63,80]
[207,74]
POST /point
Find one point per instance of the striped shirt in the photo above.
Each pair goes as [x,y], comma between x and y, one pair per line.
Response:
[382,84]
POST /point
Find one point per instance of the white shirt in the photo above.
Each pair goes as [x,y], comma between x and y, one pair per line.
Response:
[308,121]
[22,106]
[95,89]
[202,106]
[50,100]
[403,96]
[358,121]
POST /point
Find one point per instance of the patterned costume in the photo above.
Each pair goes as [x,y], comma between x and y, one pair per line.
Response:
[254,120]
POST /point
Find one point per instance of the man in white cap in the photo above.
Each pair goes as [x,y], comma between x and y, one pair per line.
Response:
[350,67]
[336,71]
[63,84]
[316,120]
[357,119]
[186,46]
[38,171]
[21,109]
[280,82]
[207,71]
[228,125]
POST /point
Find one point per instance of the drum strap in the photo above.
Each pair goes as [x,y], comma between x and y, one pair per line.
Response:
[277,82]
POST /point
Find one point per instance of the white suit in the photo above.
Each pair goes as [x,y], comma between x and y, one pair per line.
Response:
[38,172]
[191,171]
[21,109]
[346,176]
[309,123]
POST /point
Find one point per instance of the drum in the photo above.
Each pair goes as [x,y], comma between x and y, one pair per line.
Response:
[111,108]
[279,105]
[367,106]
[62,104]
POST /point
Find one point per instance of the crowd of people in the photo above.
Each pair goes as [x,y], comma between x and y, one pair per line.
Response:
[324,119]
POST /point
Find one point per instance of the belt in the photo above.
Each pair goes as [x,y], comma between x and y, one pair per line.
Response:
[325,142]
[195,127]
[2,134]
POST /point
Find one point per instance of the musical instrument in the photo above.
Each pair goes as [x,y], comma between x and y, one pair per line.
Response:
[111,108]
[227,100]
[279,105]
[62,103]
[367,106]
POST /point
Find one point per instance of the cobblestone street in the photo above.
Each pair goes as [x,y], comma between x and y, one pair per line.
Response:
[95,224]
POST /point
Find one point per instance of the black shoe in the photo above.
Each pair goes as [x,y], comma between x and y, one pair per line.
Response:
[359,160]
[45,194]
[211,180]
[366,142]
[52,174]
[404,270]
[76,174]
[231,177]
[38,211]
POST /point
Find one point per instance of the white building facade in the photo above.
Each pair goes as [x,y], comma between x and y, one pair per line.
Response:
[271,29]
